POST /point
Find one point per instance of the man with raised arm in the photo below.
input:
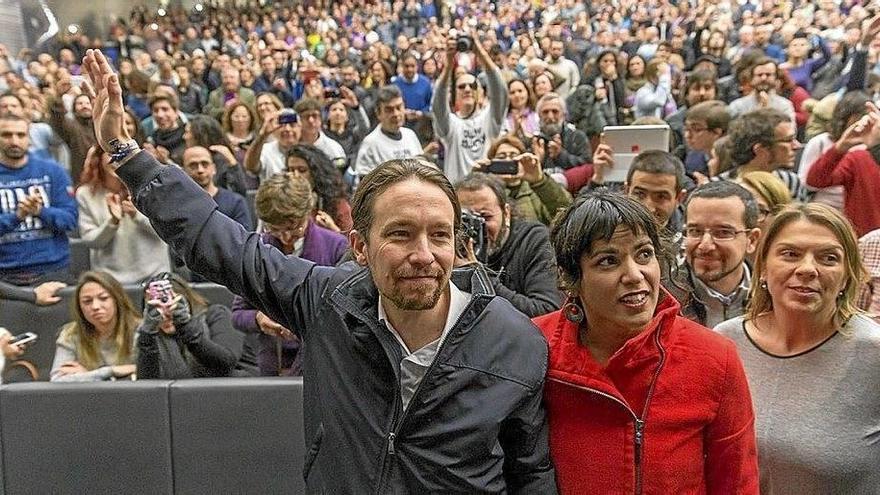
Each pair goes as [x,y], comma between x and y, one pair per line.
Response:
[467,132]
[418,379]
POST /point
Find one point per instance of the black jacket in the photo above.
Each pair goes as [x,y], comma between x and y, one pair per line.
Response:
[475,425]
[526,268]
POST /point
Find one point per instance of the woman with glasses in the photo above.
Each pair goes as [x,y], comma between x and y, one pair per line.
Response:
[536,196]
[639,399]
[770,194]
[811,358]
[182,336]
[284,205]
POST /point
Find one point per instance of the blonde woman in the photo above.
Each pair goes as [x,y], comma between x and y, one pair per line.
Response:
[99,343]
[811,357]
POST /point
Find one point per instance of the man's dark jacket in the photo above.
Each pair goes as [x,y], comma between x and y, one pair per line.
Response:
[526,268]
[475,425]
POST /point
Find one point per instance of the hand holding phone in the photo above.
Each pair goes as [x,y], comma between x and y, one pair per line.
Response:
[23,339]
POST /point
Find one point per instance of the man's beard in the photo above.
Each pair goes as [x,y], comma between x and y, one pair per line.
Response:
[14,153]
[503,235]
[418,300]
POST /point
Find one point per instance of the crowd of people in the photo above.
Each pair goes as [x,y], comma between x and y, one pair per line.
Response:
[398,194]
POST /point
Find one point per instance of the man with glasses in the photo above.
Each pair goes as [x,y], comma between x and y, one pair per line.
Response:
[720,232]
[704,124]
[466,133]
[198,164]
[765,140]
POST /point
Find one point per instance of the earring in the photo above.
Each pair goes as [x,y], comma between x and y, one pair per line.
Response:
[764,284]
[572,310]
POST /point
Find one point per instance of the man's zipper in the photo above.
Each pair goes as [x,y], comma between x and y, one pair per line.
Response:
[398,423]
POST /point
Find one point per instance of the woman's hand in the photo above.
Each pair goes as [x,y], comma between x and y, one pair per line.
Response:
[226,152]
[10,351]
[864,131]
[114,206]
[46,293]
[323,219]
[530,168]
[123,370]
[180,311]
[71,368]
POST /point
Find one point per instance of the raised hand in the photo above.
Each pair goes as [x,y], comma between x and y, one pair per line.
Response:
[114,206]
[106,95]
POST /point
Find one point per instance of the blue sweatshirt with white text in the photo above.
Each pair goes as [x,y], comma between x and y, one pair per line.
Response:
[36,244]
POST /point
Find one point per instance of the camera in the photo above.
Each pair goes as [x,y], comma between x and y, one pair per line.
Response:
[287,116]
[503,167]
[473,227]
[160,290]
[464,43]
[332,93]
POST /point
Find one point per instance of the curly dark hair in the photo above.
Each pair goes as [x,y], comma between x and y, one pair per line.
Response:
[326,179]
[207,132]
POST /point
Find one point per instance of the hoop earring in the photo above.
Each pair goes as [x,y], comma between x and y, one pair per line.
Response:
[572,310]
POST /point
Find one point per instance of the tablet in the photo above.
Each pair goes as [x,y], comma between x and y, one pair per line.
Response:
[627,141]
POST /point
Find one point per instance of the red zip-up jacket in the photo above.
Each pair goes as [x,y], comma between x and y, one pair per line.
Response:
[670,413]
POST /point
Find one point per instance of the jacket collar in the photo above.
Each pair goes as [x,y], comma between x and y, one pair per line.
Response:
[571,362]
[359,296]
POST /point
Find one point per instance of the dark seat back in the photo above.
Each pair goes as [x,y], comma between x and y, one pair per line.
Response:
[206,436]
[86,438]
[231,435]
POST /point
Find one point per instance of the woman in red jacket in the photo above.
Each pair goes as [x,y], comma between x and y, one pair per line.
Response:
[639,399]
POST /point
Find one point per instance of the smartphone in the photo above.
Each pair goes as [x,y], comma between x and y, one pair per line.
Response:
[160,290]
[288,117]
[503,167]
[332,93]
[23,339]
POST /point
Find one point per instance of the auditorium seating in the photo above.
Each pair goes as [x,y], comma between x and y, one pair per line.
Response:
[151,436]
[46,321]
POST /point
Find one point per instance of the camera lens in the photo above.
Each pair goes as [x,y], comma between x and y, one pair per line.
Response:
[463,44]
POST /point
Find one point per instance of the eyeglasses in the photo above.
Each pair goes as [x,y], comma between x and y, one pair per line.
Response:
[506,156]
[694,129]
[472,85]
[788,139]
[279,231]
[720,234]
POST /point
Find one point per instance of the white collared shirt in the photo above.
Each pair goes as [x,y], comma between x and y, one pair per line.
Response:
[415,364]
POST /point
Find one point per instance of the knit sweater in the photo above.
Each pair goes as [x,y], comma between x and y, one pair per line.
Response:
[859,175]
[416,94]
[817,414]
[130,251]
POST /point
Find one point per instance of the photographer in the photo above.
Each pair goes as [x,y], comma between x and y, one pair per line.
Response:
[534,195]
[517,250]
[466,133]
[181,336]
[562,144]
[265,158]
